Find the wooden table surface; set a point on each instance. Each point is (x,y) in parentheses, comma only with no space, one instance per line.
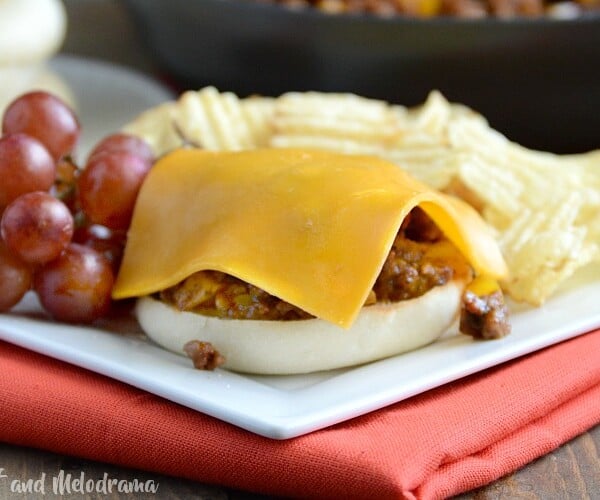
(570,472)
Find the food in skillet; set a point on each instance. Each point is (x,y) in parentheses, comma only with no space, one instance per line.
(454,8)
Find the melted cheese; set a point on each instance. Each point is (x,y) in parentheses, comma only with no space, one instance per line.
(310,227)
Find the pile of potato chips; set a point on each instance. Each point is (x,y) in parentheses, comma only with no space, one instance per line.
(544,208)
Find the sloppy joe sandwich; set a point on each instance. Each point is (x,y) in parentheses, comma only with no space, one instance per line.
(288,261)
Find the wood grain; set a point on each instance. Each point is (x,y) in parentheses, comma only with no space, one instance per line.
(572,472)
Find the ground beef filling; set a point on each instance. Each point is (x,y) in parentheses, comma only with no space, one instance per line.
(484,317)
(420,259)
(214,293)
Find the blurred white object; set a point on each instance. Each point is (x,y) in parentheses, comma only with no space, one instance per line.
(30,30)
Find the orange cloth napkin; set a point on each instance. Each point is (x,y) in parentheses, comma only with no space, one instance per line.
(440,443)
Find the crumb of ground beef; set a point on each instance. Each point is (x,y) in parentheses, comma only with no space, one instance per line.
(203,354)
(484,317)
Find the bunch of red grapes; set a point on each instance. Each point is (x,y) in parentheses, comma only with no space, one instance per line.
(63,229)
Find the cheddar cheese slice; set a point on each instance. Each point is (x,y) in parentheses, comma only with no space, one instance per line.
(310,227)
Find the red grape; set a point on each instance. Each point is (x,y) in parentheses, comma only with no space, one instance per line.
(15,279)
(108,188)
(109,243)
(25,166)
(45,117)
(37,227)
(125,143)
(76,286)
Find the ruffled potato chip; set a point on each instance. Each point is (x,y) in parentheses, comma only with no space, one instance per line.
(157,127)
(215,121)
(337,122)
